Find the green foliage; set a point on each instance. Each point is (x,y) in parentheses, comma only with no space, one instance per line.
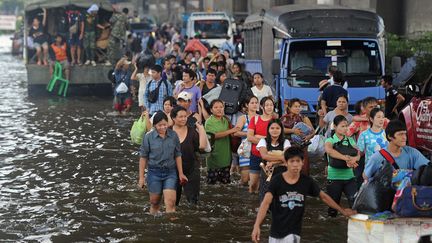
(9,6)
(420,47)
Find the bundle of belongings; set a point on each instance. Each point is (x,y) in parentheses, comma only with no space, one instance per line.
(408,193)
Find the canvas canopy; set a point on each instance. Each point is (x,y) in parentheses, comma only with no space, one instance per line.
(35,4)
(196,45)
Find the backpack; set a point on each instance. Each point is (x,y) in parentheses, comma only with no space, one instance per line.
(230,94)
(154,94)
(423,175)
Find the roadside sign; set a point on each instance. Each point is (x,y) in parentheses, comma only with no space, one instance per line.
(7,22)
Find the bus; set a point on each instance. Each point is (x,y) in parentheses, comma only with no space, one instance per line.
(293,46)
(213,27)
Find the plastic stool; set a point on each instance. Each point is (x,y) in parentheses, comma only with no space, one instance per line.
(58,76)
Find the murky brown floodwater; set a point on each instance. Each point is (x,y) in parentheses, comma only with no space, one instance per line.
(68,173)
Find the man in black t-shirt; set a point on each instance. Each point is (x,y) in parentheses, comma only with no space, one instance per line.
(286,195)
(40,38)
(332,92)
(392,97)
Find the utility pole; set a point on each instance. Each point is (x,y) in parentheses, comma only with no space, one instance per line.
(201,5)
(145,6)
(169,10)
(184,3)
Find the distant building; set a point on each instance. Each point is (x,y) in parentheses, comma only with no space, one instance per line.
(402,17)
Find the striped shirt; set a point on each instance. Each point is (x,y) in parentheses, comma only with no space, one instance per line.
(163,92)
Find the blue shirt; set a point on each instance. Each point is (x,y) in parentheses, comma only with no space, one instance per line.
(370,142)
(331,94)
(227,45)
(410,158)
(122,76)
(163,92)
(160,152)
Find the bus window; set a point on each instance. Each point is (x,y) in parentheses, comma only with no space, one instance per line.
(309,61)
(212,28)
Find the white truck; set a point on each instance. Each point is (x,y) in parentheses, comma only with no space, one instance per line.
(213,27)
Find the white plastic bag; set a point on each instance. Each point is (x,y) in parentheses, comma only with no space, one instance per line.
(210,142)
(122,88)
(244,149)
(316,148)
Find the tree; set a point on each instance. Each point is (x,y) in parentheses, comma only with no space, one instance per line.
(10,6)
(419,47)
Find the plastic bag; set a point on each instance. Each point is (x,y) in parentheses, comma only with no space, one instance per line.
(138,130)
(210,142)
(245,148)
(122,88)
(306,130)
(316,148)
(377,194)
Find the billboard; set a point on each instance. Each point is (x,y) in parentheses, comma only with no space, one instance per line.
(7,22)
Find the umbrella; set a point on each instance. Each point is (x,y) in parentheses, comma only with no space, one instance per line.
(196,45)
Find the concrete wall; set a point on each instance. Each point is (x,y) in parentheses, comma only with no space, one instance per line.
(392,13)
(403,17)
(418,16)
(223,5)
(363,4)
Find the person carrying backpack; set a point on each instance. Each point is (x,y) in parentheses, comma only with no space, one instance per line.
(156,91)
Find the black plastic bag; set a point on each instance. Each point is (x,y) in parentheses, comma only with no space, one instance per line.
(377,194)
(423,175)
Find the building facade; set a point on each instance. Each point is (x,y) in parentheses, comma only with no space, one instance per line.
(402,17)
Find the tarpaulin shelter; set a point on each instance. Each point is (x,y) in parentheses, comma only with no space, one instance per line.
(196,45)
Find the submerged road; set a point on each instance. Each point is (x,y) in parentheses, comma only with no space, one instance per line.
(68,173)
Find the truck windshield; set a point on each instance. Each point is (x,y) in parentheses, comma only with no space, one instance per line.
(359,60)
(211,29)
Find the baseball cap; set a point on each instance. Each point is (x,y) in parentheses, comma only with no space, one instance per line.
(184,96)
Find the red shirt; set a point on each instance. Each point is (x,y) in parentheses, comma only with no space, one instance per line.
(59,51)
(260,127)
(357,127)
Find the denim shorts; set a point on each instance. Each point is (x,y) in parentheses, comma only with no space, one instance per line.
(75,41)
(159,179)
(254,167)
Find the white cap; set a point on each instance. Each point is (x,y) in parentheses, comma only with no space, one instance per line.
(93,8)
(184,96)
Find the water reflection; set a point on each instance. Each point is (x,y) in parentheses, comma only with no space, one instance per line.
(68,173)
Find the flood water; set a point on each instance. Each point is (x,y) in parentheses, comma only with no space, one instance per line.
(68,173)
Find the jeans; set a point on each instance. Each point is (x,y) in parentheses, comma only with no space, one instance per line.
(335,189)
(358,171)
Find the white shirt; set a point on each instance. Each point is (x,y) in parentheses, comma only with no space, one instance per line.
(263,143)
(143,80)
(345,86)
(264,92)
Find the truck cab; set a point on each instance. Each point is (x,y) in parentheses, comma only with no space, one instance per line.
(298,43)
(417,116)
(213,27)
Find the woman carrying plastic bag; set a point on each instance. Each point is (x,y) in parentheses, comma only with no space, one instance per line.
(139,128)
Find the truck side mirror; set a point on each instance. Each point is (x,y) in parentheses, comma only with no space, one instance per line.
(414,89)
(396,64)
(275,66)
